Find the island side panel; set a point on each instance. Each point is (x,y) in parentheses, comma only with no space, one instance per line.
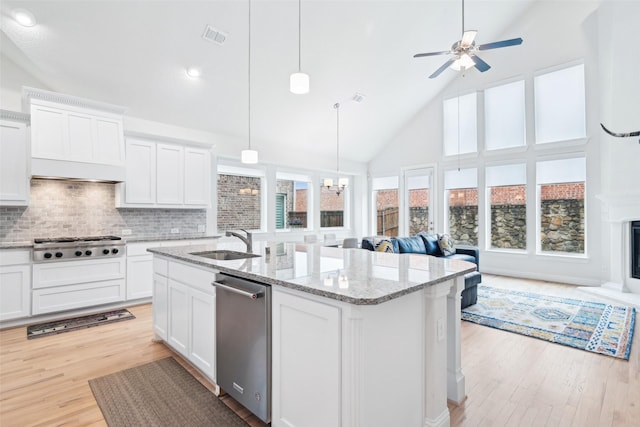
(456,392)
(306,377)
(366,364)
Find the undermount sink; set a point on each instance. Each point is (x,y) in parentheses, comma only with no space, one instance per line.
(224,255)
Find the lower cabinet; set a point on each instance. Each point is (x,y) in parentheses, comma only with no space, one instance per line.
(306,350)
(15,284)
(184,312)
(139,276)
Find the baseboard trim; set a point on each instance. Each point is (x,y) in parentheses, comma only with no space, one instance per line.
(572,280)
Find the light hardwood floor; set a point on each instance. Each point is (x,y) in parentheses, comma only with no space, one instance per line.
(511,380)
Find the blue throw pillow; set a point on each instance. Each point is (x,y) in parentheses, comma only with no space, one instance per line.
(411,245)
(430,243)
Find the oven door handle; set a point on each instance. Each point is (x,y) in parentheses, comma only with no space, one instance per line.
(236,290)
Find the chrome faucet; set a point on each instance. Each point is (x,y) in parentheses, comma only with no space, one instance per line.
(247,240)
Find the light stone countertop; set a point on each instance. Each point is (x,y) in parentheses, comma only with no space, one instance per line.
(355,276)
(16,245)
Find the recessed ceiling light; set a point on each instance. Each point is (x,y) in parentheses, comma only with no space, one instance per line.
(194,72)
(24,17)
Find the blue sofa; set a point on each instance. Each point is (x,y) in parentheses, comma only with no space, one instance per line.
(427,244)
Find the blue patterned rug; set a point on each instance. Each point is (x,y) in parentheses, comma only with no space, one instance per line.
(591,326)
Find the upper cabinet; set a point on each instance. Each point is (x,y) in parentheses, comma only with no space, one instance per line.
(75,138)
(163,174)
(14,159)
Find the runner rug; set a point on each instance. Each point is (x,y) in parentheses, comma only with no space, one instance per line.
(160,393)
(592,326)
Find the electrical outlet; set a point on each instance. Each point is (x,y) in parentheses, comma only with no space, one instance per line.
(175,231)
(201,228)
(126,232)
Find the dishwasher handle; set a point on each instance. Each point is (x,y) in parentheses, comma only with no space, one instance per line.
(252,295)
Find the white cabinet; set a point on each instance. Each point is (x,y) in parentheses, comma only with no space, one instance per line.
(139,276)
(15,283)
(68,285)
(306,346)
(165,175)
(74,133)
(14,159)
(184,305)
(179,317)
(170,174)
(141,172)
(196,176)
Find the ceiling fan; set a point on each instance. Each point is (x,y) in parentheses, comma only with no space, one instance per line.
(463,51)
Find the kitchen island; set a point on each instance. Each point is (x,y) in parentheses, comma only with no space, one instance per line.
(359,338)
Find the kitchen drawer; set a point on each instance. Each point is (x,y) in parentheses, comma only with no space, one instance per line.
(47,275)
(194,277)
(15,256)
(135,249)
(61,298)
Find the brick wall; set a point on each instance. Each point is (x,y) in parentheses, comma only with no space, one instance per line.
(237,210)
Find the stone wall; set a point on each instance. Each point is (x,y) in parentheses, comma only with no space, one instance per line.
(463,224)
(236,210)
(418,220)
(562,225)
(509,226)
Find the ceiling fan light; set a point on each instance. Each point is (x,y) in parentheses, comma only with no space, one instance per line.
(299,83)
(464,62)
(249,157)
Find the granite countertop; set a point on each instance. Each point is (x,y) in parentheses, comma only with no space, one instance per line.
(167,238)
(29,244)
(16,245)
(355,276)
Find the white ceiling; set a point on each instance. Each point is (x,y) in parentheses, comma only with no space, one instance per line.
(134,54)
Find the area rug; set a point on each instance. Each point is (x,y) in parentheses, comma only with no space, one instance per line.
(592,326)
(160,393)
(66,325)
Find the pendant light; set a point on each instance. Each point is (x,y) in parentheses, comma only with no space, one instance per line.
(249,156)
(342,182)
(299,82)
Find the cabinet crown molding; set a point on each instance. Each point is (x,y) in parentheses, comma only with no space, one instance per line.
(30,93)
(15,115)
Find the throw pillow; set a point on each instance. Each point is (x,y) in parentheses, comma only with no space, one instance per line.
(383,245)
(446,244)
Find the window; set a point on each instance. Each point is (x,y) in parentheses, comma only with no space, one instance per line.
(385,197)
(418,183)
(460,125)
(504,113)
(240,201)
(292,201)
(561,191)
(506,195)
(332,207)
(560,112)
(461,196)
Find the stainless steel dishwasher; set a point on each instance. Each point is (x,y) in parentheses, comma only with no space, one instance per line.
(243,342)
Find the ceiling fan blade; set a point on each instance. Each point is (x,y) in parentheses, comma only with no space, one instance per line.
(503,43)
(468,37)
(442,68)
(480,64)
(420,55)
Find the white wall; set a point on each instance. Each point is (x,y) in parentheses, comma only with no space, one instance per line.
(554,33)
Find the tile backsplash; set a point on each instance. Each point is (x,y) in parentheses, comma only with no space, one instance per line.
(66,208)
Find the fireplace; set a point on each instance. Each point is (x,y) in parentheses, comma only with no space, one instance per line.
(635,249)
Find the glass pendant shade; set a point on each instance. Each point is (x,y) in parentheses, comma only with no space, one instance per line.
(299,83)
(249,156)
(464,62)
(328,182)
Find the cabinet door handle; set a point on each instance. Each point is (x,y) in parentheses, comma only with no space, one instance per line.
(236,290)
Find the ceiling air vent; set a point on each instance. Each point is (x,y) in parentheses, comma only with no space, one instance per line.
(214,35)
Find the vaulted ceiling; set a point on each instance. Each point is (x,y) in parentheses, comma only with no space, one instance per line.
(134,54)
